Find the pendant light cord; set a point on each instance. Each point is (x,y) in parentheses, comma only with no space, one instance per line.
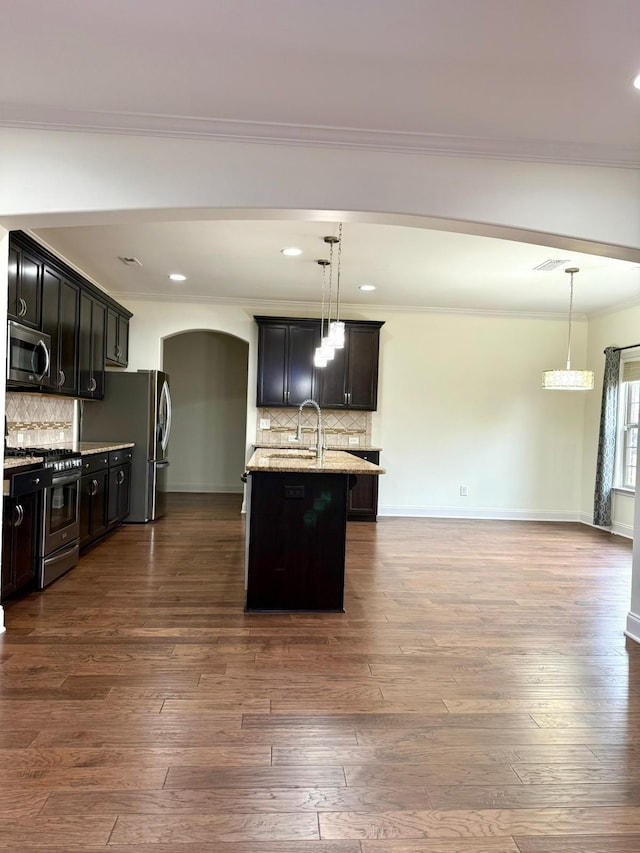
(338,275)
(570,317)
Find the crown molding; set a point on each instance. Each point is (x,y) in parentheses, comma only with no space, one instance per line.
(310,309)
(146,124)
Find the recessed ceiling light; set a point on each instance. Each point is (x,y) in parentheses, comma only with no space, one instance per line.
(177,276)
(636,82)
(291,251)
(367,287)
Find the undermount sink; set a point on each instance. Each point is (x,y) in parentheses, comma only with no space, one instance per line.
(293,454)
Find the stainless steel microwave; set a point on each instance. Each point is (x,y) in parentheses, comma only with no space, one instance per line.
(28,356)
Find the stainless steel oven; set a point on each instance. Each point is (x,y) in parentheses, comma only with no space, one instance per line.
(28,356)
(60,549)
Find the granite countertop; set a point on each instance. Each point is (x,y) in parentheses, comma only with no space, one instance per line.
(21,461)
(88,447)
(296,459)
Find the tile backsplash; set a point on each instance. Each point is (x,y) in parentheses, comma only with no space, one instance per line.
(338,426)
(39,419)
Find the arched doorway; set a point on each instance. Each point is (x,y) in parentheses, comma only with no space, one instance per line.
(208,378)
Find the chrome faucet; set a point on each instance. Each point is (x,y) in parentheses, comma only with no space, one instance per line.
(318,424)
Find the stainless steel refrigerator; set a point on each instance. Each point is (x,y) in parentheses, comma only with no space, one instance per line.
(136,407)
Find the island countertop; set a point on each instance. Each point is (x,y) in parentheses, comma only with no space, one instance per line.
(305,461)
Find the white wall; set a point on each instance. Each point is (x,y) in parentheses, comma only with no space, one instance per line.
(56,178)
(460,403)
(209,392)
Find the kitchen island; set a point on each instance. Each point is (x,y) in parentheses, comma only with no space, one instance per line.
(296,528)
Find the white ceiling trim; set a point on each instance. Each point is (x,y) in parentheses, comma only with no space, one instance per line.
(312,309)
(142,124)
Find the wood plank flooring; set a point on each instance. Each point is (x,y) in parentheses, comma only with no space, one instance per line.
(478,696)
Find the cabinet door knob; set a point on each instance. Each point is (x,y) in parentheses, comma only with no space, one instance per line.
(61,377)
(93,384)
(19,516)
(120,477)
(23,307)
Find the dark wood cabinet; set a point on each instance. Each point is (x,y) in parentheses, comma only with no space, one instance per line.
(87,328)
(363,497)
(94,488)
(21,523)
(18,543)
(91,347)
(119,487)
(350,379)
(286,374)
(24,286)
(296,547)
(117,338)
(60,306)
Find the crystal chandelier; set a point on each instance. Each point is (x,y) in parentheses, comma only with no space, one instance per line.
(566,379)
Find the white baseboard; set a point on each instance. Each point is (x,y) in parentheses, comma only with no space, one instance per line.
(493,513)
(633,627)
(625,530)
(207,488)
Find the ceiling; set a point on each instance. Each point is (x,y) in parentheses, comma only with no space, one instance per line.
(547,80)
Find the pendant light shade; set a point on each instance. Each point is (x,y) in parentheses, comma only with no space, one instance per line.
(566,379)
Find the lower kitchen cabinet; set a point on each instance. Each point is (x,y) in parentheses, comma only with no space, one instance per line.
(93,498)
(363,497)
(21,526)
(106,493)
(119,494)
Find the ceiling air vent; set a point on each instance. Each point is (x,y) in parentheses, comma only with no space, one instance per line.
(130,262)
(552,264)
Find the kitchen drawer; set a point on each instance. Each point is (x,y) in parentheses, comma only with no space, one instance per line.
(119,457)
(95,462)
(30,481)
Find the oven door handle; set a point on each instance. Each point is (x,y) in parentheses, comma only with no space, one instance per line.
(64,481)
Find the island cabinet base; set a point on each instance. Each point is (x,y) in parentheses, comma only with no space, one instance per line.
(296,548)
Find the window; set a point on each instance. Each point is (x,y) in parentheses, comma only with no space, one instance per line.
(628,418)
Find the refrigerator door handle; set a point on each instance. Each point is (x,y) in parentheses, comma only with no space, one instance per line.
(163,464)
(165,402)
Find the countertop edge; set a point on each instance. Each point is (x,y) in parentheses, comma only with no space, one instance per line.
(333,462)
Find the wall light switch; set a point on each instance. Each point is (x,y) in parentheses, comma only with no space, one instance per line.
(354,439)
(293,437)
(20,438)
(265,423)
(61,435)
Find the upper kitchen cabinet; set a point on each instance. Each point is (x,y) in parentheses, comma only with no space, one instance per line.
(286,375)
(91,347)
(350,379)
(60,307)
(117,348)
(87,328)
(24,285)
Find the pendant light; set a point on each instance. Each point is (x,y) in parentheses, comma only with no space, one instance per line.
(323,353)
(336,328)
(566,379)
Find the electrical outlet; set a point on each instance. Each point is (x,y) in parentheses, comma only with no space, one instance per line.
(354,439)
(61,435)
(20,438)
(293,437)
(463,491)
(265,423)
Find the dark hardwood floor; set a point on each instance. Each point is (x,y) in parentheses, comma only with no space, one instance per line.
(478,696)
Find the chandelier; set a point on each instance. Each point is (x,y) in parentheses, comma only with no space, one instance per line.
(566,379)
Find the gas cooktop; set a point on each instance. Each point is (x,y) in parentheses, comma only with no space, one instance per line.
(58,458)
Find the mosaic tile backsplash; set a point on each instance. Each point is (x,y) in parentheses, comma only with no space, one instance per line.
(41,420)
(338,426)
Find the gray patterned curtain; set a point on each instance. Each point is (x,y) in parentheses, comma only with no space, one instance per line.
(607,439)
